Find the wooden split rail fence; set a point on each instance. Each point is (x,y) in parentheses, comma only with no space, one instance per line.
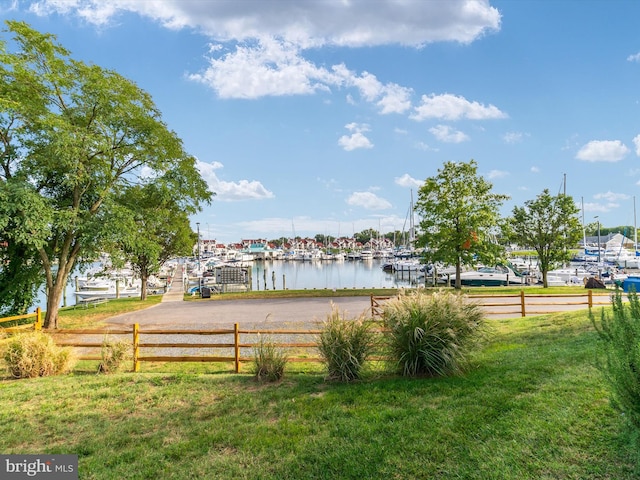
(35,324)
(519,304)
(159,345)
(237,345)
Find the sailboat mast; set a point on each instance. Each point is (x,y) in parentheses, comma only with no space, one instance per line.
(412,237)
(635,226)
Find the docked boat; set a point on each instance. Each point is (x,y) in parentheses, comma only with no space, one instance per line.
(500,275)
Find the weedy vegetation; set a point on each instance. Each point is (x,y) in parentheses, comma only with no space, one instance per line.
(432,334)
(35,354)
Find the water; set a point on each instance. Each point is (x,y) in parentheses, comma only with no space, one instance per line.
(330,275)
(295,275)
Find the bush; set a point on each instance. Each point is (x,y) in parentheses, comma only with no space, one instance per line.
(620,343)
(113,354)
(345,345)
(35,354)
(269,361)
(431,334)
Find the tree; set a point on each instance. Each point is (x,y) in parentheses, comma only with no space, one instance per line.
(365,236)
(548,224)
(159,227)
(458,217)
(74,137)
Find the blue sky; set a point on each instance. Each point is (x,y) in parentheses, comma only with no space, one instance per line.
(324,116)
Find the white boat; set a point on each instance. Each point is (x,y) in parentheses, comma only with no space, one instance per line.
(571,275)
(499,275)
(124,291)
(366,254)
(555,281)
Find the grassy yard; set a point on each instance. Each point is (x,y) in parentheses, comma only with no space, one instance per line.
(532,406)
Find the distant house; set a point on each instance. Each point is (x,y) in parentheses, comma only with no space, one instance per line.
(610,241)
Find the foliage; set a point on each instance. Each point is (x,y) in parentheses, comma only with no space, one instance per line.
(458,217)
(620,343)
(113,354)
(35,354)
(158,226)
(345,344)
(432,334)
(548,224)
(269,361)
(73,137)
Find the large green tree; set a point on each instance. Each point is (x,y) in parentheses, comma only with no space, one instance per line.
(74,137)
(550,225)
(459,217)
(159,227)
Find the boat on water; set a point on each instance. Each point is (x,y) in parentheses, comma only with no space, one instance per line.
(500,275)
(110,293)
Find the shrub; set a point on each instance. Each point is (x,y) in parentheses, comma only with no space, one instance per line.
(269,361)
(345,345)
(113,355)
(431,334)
(620,347)
(35,354)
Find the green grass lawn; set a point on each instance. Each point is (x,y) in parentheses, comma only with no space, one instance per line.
(531,406)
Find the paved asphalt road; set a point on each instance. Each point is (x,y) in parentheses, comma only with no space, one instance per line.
(224,313)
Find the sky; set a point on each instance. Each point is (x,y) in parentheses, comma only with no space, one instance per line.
(325,116)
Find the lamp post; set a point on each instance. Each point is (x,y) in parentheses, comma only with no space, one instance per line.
(198,254)
(598,219)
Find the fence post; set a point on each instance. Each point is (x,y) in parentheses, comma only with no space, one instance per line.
(590,298)
(38,325)
(524,313)
(136,347)
(236,343)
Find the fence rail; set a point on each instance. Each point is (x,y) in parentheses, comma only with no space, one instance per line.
(36,324)
(158,345)
(525,304)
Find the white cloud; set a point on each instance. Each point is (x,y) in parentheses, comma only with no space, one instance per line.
(260,51)
(267,68)
(454,107)
(395,99)
(535,170)
(368,200)
(611,197)
(231,191)
(446,134)
(424,147)
(596,207)
(357,139)
(603,151)
(634,58)
(493,174)
(344,23)
(636,143)
(513,137)
(407,180)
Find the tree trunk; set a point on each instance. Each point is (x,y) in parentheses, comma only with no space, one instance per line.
(143,285)
(54,295)
(458,284)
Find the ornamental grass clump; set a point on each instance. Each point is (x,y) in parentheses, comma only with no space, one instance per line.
(431,334)
(114,353)
(620,353)
(35,354)
(269,361)
(345,344)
